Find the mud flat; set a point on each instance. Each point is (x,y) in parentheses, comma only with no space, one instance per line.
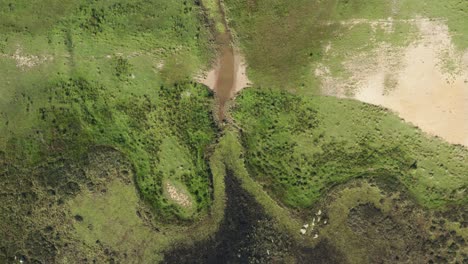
(235,240)
(426,83)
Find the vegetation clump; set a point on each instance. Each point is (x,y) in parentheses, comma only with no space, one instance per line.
(122,68)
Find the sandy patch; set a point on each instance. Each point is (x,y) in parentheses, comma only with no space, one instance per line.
(227,77)
(160,65)
(177,196)
(209,78)
(426,83)
(241,80)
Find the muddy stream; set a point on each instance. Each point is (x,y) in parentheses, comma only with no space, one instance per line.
(246,234)
(225,82)
(228,75)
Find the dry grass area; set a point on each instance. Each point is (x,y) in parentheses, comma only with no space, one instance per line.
(426,82)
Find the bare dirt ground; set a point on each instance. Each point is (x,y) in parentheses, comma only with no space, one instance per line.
(426,83)
(240,81)
(24,61)
(177,196)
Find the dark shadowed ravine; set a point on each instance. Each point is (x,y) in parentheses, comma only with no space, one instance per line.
(248,235)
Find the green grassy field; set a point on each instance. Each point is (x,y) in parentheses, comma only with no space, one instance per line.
(279,39)
(364,182)
(76,75)
(115,76)
(284,40)
(299,148)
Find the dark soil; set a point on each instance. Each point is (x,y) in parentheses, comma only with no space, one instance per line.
(248,235)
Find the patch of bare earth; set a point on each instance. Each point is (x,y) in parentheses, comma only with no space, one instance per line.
(177,196)
(426,83)
(24,61)
(241,80)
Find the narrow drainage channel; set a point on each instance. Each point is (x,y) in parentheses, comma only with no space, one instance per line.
(225,77)
(224,86)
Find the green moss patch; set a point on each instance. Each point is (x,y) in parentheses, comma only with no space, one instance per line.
(110,219)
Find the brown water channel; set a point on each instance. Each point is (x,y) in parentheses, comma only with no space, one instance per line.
(228,76)
(224,87)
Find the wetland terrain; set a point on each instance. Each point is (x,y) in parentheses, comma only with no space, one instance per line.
(233,131)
